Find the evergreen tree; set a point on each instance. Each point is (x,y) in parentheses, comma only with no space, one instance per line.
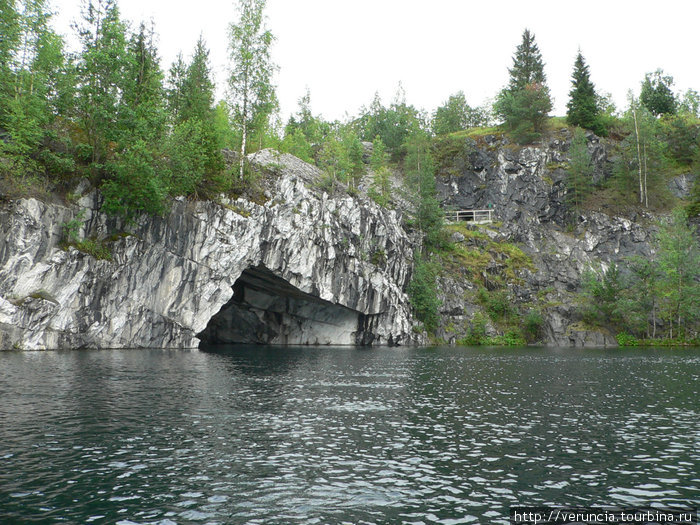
(582,107)
(101,74)
(578,181)
(528,67)
(656,94)
(9,43)
(175,89)
(251,90)
(197,97)
(525,103)
(35,86)
(142,105)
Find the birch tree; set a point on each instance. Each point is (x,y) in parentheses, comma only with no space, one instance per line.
(250,82)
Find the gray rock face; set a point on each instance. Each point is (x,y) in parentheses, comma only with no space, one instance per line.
(682,185)
(170,276)
(525,187)
(515,181)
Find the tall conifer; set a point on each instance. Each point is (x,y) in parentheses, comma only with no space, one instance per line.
(583,103)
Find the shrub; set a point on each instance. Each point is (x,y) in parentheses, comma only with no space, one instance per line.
(422,292)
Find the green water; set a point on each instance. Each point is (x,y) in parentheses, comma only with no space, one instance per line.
(333,435)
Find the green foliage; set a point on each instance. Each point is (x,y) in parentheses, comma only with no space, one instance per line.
(196,163)
(664,290)
(380,190)
(252,95)
(641,159)
(422,292)
(419,170)
(681,134)
(142,109)
(71,228)
(601,297)
(579,181)
(136,183)
(679,262)
(97,249)
(101,75)
(689,104)
(378,159)
(693,208)
(532,326)
(476,334)
(197,90)
(303,121)
(582,107)
(625,339)
(525,103)
(393,124)
(456,115)
(524,112)
(498,304)
(657,95)
(296,143)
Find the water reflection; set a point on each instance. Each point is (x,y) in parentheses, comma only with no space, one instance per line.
(318,435)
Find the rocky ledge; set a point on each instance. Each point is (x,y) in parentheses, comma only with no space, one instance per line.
(304,268)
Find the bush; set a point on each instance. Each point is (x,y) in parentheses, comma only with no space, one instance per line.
(477,332)
(196,163)
(624,339)
(422,292)
(136,184)
(532,326)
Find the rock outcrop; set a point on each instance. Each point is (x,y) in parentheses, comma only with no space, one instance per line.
(525,188)
(344,262)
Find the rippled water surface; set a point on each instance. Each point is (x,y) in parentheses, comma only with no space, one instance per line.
(332,435)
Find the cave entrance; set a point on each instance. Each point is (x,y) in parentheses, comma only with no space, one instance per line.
(266,309)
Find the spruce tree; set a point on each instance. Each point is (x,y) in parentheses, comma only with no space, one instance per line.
(198,86)
(525,103)
(578,181)
(582,107)
(528,67)
(101,75)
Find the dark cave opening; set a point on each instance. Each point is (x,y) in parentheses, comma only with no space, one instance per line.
(266,309)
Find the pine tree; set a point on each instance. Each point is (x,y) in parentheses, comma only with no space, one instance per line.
(251,90)
(582,107)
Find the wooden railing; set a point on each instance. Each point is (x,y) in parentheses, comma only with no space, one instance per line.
(480,216)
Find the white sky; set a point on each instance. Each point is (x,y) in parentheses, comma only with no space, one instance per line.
(345,51)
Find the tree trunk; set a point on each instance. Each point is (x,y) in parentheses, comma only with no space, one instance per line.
(244,131)
(639,156)
(646,192)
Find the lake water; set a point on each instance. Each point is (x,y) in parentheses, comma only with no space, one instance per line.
(332,435)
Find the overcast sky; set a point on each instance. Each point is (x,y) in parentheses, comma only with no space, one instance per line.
(345,51)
